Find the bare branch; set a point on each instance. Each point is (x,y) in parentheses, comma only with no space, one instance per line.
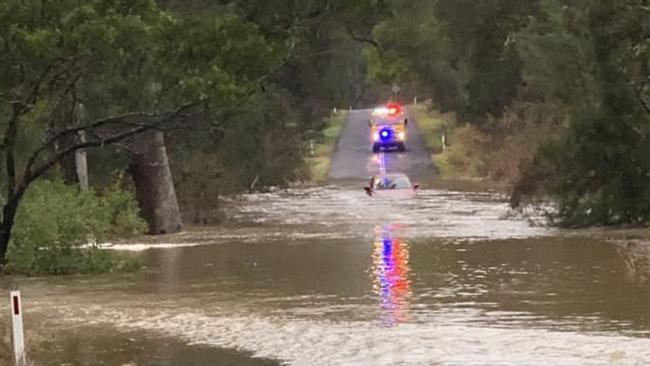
(8,143)
(155,121)
(39,82)
(30,175)
(362,39)
(129,119)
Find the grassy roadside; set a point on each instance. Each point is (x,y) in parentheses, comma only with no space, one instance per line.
(319,162)
(453,161)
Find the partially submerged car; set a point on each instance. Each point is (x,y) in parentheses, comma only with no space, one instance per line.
(396,184)
(388,128)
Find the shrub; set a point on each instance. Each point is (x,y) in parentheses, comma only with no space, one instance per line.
(58,229)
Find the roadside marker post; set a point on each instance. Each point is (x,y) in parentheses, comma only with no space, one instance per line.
(17,335)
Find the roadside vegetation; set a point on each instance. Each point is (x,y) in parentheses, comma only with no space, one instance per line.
(552,100)
(475,154)
(222,96)
(322,147)
(451,159)
(59,230)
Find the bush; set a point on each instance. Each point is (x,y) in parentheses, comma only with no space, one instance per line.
(58,229)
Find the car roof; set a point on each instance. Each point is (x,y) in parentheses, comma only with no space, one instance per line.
(391,175)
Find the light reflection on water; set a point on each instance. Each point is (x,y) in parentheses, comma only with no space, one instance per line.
(391,273)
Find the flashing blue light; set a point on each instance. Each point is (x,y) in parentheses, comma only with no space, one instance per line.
(385,134)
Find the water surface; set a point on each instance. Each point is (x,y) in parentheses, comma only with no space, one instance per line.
(328,276)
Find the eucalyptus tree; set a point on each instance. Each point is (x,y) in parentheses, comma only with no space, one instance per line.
(134,67)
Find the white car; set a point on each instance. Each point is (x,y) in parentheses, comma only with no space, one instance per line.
(396,184)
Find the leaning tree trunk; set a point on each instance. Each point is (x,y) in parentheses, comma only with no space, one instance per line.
(154,186)
(6,225)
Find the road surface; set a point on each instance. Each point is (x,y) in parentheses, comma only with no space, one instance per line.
(353,157)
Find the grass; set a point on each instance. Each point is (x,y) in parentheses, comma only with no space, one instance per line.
(431,124)
(319,162)
(455,162)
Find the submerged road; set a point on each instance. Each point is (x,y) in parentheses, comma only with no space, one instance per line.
(326,276)
(353,157)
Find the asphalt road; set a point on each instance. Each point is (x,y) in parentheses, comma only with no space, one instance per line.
(353,157)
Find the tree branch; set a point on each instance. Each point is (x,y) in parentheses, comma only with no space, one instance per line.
(159,121)
(8,143)
(128,119)
(30,175)
(362,39)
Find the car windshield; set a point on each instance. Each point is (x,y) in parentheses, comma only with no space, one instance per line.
(392,182)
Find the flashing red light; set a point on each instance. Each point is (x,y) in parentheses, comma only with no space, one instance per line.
(394,108)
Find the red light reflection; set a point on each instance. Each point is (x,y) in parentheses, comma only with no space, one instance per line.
(391,274)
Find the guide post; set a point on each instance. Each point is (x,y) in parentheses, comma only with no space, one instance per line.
(17,335)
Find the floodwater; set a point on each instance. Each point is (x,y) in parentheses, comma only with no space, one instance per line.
(329,276)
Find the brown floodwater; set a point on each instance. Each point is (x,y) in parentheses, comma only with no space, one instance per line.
(328,276)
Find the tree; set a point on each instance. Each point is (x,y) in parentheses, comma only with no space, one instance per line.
(454,51)
(603,173)
(133,66)
(589,60)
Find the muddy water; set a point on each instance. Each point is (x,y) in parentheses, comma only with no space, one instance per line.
(327,276)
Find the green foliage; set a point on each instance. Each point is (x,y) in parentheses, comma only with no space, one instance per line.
(58,230)
(558,91)
(262,143)
(602,174)
(558,55)
(261,138)
(121,57)
(134,58)
(453,52)
(119,209)
(417,55)
(199,184)
(597,168)
(324,145)
(432,125)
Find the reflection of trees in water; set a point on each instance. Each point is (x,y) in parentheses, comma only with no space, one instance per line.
(636,260)
(391,274)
